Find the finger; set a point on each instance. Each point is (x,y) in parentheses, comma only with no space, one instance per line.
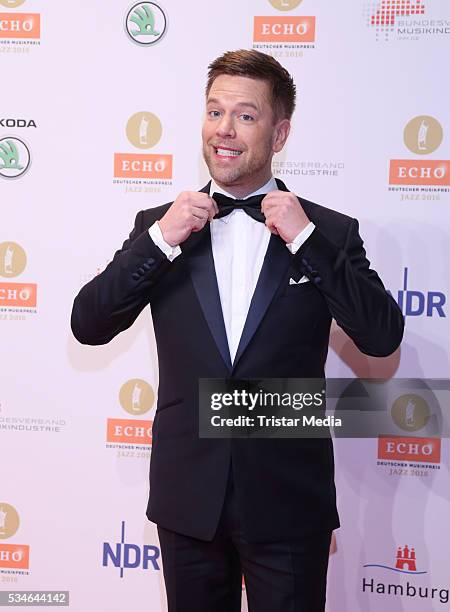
(200,213)
(201,200)
(270,224)
(270,200)
(215,206)
(198,224)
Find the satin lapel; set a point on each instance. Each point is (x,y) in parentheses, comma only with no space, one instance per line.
(199,258)
(276,262)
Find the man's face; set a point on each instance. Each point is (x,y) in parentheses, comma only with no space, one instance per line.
(240,133)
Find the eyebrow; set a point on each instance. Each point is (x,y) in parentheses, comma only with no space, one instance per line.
(241,104)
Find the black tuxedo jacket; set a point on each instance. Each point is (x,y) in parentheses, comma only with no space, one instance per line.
(285,487)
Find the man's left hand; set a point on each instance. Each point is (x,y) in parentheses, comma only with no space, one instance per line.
(284,215)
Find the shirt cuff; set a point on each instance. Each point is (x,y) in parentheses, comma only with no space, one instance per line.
(156,235)
(301,238)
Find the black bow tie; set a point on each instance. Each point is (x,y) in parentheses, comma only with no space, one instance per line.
(252,206)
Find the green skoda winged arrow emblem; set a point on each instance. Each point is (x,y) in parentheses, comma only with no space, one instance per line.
(9,155)
(150,21)
(145,21)
(15,157)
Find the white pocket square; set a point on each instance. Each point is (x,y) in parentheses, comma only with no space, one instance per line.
(304,279)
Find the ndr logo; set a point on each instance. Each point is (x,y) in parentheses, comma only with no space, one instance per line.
(416,303)
(130,556)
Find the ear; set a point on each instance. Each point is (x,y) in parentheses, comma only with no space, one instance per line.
(280,134)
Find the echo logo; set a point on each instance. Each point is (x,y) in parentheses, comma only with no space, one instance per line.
(13,261)
(419,172)
(284,29)
(129,431)
(144,131)
(142,165)
(417,303)
(18,295)
(422,135)
(12,556)
(130,556)
(427,450)
(20,25)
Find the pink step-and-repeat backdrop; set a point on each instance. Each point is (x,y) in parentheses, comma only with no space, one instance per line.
(101,107)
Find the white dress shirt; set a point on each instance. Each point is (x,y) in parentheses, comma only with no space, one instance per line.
(239,244)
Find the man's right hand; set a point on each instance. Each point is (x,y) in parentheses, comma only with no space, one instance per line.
(189,213)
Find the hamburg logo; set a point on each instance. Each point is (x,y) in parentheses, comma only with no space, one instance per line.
(15,158)
(145,23)
(411,586)
(405,562)
(130,556)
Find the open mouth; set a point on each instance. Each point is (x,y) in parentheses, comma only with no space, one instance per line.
(225,152)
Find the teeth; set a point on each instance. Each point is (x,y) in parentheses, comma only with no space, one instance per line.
(228,152)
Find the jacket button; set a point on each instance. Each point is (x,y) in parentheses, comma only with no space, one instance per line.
(135,276)
(141,271)
(317,280)
(150,261)
(147,266)
(305,262)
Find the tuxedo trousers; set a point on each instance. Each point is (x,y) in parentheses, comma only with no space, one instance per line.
(200,576)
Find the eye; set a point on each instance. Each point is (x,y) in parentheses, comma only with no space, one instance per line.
(246,117)
(214,114)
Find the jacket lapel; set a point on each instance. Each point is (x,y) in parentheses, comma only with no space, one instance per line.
(276,262)
(199,258)
(275,265)
(198,252)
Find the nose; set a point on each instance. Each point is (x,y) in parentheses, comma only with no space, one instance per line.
(225,127)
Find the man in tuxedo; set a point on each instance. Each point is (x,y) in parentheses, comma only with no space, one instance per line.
(243,279)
